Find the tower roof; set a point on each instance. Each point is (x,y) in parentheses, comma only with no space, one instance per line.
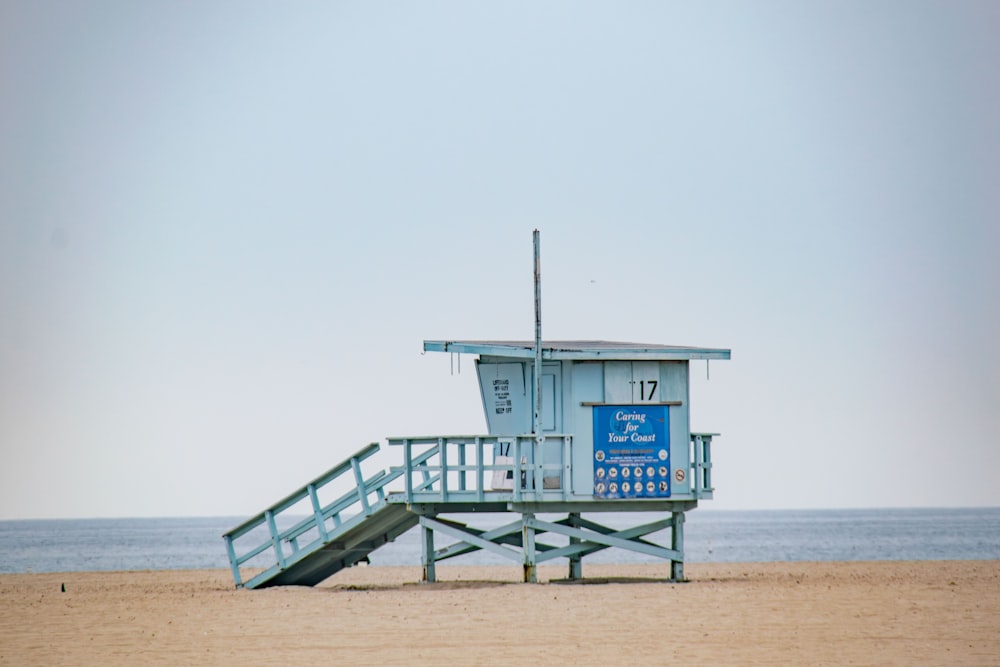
(577,349)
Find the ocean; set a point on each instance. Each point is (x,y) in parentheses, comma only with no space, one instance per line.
(58,545)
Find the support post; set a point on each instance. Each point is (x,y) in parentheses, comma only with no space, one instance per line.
(427,553)
(528,541)
(677,544)
(576,560)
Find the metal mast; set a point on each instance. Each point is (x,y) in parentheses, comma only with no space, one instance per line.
(536,423)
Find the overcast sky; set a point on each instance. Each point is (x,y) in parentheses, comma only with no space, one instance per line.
(227,227)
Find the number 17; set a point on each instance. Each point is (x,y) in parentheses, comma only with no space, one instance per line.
(652,389)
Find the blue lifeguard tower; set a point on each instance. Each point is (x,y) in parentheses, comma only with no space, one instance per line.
(574,427)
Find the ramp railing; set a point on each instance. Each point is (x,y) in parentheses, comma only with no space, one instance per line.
(476,468)
(278,536)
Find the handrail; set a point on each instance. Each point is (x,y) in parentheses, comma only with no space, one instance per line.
(320,514)
(331,510)
(303,492)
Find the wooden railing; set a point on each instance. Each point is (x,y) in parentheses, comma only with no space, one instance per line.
(477,468)
(274,544)
(436,469)
(701,465)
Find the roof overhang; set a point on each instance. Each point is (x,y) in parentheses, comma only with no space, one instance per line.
(576,350)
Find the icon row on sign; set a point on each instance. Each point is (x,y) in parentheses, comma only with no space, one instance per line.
(638,472)
(602,488)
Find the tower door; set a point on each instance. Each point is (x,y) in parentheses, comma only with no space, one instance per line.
(551,416)
(631,382)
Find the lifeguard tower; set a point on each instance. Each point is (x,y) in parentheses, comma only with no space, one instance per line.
(574,427)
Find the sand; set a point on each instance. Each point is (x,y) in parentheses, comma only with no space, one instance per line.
(880,613)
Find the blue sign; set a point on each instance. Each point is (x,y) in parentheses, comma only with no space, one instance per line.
(631,451)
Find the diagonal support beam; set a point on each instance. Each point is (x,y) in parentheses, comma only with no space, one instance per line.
(633,533)
(474,540)
(587,548)
(507,534)
(613,540)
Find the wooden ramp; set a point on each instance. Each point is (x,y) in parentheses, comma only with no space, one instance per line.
(304,538)
(345,548)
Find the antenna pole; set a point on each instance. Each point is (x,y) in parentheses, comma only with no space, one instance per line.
(536,425)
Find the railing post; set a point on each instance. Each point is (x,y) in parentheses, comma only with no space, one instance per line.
(461,466)
(317,512)
(275,538)
(233,562)
(517,470)
(362,491)
(537,463)
(697,472)
(707,462)
(567,466)
(408,469)
(479,470)
(443,455)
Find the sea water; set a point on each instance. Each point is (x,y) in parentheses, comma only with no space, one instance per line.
(709,536)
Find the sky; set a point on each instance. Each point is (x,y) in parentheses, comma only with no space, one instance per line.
(227,227)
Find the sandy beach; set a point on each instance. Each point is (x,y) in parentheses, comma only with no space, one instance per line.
(906,613)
